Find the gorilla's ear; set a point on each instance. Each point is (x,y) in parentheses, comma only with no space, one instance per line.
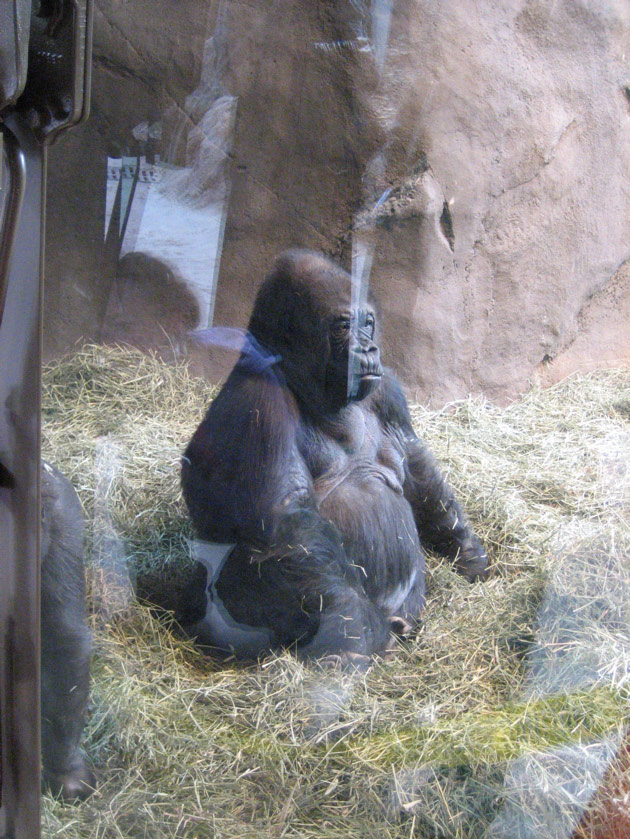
(6,478)
(269,315)
(273,320)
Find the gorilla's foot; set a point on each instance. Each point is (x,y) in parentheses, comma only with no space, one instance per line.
(400,627)
(346,661)
(75,784)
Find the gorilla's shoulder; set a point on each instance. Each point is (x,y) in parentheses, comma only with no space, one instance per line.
(389,403)
(250,398)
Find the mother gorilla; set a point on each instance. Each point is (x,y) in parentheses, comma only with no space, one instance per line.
(310,493)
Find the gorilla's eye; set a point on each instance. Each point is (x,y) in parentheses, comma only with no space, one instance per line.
(342,326)
(367,329)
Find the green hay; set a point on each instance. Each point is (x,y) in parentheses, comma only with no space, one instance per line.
(534,660)
(497,736)
(117,421)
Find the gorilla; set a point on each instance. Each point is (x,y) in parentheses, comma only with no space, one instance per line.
(311,496)
(66,643)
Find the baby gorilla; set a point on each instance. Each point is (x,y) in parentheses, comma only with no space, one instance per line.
(310,493)
(66,640)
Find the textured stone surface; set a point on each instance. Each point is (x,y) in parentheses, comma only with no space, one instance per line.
(527,137)
(495,135)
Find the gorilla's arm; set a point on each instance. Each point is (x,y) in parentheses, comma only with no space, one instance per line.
(440,518)
(246,483)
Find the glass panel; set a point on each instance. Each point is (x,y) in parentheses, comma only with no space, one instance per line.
(266,657)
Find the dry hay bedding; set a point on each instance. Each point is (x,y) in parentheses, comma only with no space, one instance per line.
(440,741)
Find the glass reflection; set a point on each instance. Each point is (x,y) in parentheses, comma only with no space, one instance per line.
(448,186)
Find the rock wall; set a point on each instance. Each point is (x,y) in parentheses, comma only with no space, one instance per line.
(476,153)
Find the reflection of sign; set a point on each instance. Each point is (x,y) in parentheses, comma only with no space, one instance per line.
(123,176)
(147,172)
(152,217)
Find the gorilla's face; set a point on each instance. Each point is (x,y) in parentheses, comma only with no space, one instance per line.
(305,312)
(354,368)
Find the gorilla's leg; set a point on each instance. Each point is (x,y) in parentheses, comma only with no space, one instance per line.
(66,640)
(66,653)
(411,609)
(405,622)
(302,593)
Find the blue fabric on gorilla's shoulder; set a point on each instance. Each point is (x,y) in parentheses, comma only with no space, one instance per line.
(255,358)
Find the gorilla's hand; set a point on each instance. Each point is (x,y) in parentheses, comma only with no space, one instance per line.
(472,560)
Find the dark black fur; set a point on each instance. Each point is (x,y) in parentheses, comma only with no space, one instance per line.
(66,640)
(309,465)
